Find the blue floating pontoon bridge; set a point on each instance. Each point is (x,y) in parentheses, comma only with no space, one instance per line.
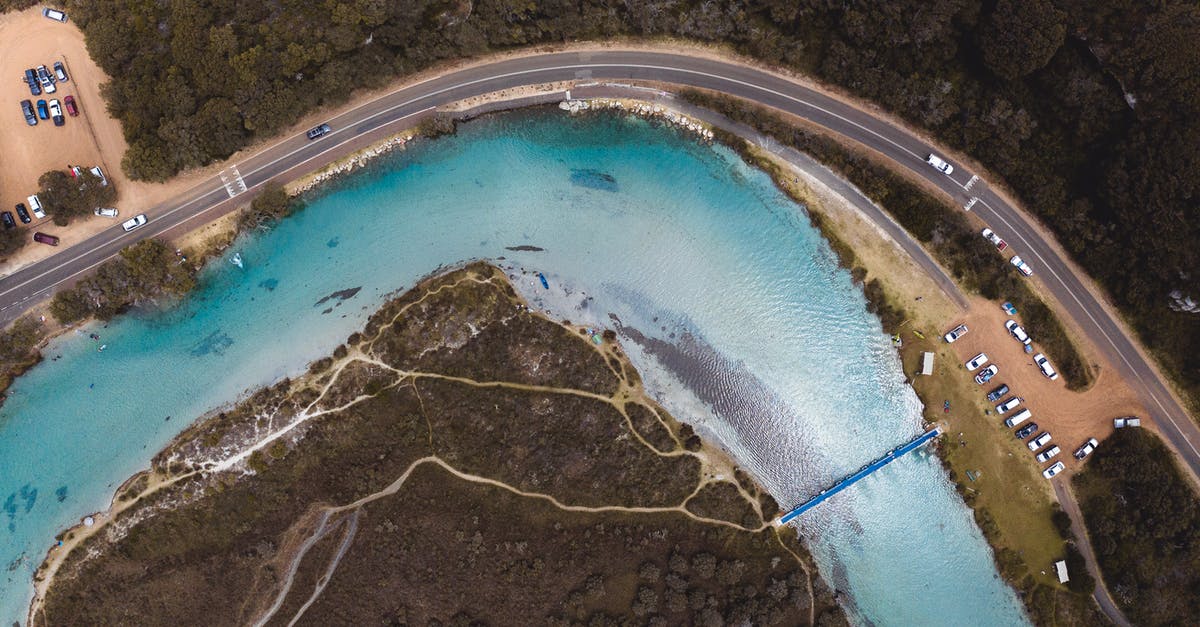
(866,471)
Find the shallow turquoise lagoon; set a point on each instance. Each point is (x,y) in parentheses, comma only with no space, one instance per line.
(727,299)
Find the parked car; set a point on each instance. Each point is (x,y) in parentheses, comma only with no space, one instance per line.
(56,113)
(1018,418)
(43,110)
(995,394)
(956,333)
(1021,265)
(1045,455)
(8,220)
(977,361)
(43,238)
(106,212)
(1043,364)
(27,109)
(1026,431)
(986,374)
(23,213)
(100,175)
(1018,332)
(36,205)
(1009,309)
(1087,448)
(57,16)
(994,239)
(1039,442)
(1127,421)
(134,222)
(31,79)
(69,103)
(74,171)
(318,131)
(1008,405)
(60,71)
(940,164)
(47,79)
(1053,470)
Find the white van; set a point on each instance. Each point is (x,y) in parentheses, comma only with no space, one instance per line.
(1009,405)
(35,206)
(1017,419)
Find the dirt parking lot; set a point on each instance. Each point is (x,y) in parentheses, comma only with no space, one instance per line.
(27,40)
(1070,417)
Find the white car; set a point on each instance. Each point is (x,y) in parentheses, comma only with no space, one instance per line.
(134,222)
(100,175)
(1087,448)
(1045,455)
(1039,442)
(106,212)
(940,164)
(956,333)
(994,239)
(1017,332)
(1008,405)
(1043,364)
(977,361)
(1127,421)
(1021,265)
(986,374)
(1053,470)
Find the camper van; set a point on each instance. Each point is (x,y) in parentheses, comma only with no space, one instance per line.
(1017,419)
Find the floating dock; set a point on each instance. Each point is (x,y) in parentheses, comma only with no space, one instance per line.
(891,456)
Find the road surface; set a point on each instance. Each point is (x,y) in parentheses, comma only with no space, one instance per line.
(296,155)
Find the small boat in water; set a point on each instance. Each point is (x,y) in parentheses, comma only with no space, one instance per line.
(545,283)
(236,259)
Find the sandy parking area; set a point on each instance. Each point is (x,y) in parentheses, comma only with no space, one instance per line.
(1070,417)
(27,40)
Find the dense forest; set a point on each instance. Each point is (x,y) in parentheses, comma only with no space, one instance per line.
(1087,109)
(1144,521)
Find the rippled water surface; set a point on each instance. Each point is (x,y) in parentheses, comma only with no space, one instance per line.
(728,300)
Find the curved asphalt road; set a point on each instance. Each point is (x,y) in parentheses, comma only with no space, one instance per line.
(31,284)
(296,155)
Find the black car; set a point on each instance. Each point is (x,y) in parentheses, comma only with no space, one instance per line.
(8,220)
(318,131)
(1026,431)
(32,80)
(60,71)
(23,213)
(30,116)
(995,394)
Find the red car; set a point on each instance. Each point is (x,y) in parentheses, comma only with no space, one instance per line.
(69,103)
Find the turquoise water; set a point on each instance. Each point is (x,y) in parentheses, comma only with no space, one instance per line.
(727,299)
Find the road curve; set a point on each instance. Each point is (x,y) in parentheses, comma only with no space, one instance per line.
(296,154)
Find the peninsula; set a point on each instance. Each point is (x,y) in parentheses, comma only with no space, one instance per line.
(460,459)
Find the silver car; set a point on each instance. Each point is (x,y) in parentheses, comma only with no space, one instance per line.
(134,222)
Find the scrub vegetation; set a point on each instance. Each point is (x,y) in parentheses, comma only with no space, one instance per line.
(18,349)
(1090,111)
(145,273)
(460,461)
(65,196)
(1143,516)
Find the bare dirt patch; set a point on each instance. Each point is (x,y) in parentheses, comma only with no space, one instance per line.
(1070,417)
(27,40)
